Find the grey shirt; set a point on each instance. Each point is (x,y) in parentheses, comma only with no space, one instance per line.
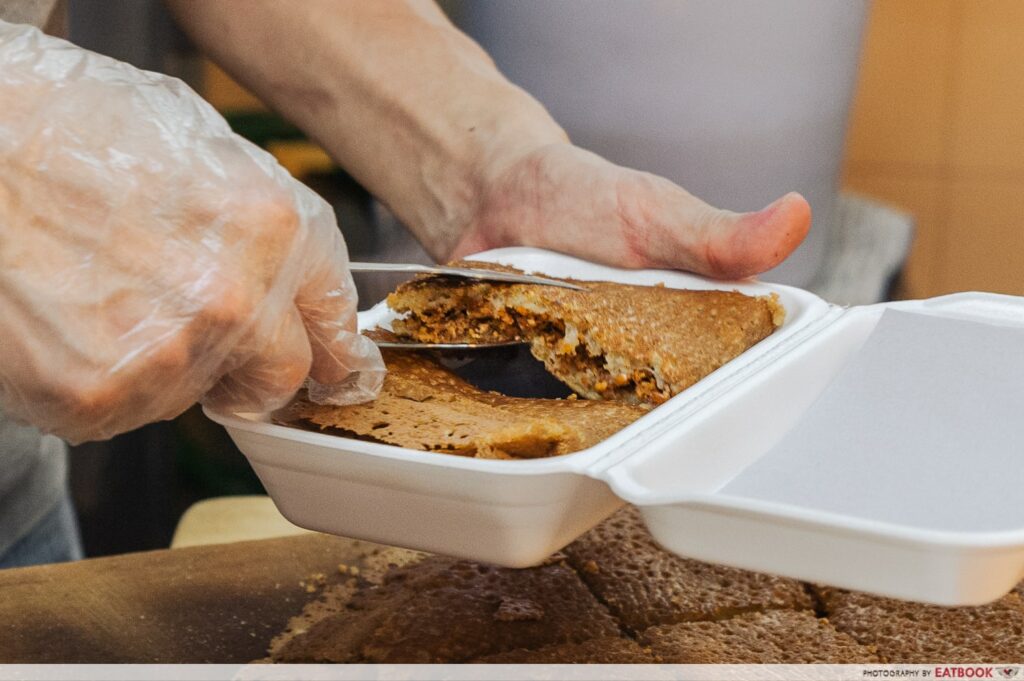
(33,469)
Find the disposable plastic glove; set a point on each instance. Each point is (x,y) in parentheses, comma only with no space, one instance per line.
(150,258)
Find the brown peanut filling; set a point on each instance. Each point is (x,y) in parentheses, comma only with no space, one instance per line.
(564,357)
(594,379)
(449,325)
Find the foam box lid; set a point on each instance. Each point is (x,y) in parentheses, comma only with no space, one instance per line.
(884,451)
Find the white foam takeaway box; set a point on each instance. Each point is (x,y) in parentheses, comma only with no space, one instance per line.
(916,537)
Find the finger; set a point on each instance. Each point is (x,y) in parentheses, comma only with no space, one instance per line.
(327,302)
(270,378)
(738,246)
(346,366)
(566,199)
(678,230)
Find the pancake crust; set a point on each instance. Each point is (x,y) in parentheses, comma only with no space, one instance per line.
(445,610)
(424,406)
(376,564)
(773,637)
(612,341)
(645,586)
(604,650)
(915,633)
(619,599)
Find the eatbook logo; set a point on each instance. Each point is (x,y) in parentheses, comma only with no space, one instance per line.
(1009,672)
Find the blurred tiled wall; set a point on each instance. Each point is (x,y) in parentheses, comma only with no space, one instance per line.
(938,130)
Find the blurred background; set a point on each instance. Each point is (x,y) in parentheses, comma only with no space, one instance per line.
(899,119)
(936,130)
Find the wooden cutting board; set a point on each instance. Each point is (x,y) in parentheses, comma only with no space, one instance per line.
(218,604)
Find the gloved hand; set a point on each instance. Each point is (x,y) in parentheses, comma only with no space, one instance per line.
(150,258)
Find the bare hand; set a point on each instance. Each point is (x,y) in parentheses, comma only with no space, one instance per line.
(567,199)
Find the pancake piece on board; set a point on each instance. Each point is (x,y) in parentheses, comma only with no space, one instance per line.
(643,585)
(770,637)
(367,570)
(638,344)
(446,610)
(619,650)
(915,633)
(423,405)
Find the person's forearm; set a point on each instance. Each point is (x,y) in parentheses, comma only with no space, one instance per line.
(410,106)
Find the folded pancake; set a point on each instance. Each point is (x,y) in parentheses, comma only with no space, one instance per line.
(423,405)
(638,344)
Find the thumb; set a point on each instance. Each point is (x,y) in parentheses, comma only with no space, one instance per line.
(346,366)
(675,229)
(567,199)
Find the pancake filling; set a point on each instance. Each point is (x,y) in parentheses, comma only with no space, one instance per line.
(474,314)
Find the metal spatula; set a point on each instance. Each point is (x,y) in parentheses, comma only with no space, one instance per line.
(462,272)
(417,345)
